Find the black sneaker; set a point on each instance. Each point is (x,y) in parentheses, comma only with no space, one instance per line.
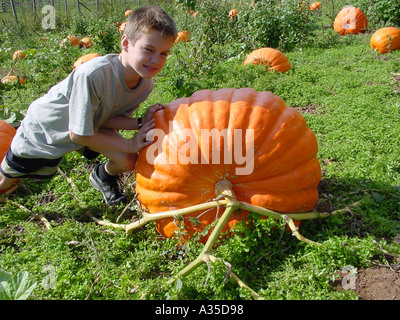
(109,188)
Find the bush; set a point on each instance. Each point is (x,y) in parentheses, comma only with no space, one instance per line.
(282,26)
(257,23)
(381,12)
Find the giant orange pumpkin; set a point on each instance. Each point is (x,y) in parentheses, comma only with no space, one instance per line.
(252,139)
(350,20)
(7,133)
(386,39)
(273,59)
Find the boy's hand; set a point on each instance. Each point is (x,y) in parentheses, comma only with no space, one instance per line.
(139,141)
(151,111)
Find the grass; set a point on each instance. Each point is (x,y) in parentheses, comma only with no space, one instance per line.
(352,104)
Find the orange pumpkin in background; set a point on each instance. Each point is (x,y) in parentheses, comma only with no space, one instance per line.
(273,59)
(19,54)
(232,14)
(350,20)
(86,42)
(12,80)
(183,36)
(7,133)
(386,39)
(199,146)
(85,58)
(122,27)
(70,40)
(315,5)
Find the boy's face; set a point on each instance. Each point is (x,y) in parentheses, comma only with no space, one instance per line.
(148,54)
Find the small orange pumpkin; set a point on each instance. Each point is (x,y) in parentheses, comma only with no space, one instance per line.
(7,133)
(232,14)
(315,5)
(86,42)
(122,27)
(84,59)
(12,79)
(273,59)
(183,36)
(70,40)
(223,124)
(350,20)
(19,54)
(386,39)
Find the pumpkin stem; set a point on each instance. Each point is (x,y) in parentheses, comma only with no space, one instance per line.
(224,187)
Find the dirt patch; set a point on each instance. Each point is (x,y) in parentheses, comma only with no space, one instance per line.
(378,283)
(396,80)
(375,283)
(309,109)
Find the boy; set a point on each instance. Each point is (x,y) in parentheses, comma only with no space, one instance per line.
(85,111)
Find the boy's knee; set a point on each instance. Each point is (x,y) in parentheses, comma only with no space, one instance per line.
(128,162)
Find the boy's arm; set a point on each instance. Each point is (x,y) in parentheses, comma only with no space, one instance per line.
(121,123)
(110,140)
(128,123)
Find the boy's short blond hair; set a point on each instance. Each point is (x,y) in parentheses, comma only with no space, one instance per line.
(142,20)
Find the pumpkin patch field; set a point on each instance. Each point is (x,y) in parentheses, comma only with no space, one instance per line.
(304,207)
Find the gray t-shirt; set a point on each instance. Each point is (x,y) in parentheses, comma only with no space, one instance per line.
(92,93)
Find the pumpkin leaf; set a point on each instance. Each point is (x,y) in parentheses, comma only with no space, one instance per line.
(17,287)
(4,275)
(179,284)
(11,117)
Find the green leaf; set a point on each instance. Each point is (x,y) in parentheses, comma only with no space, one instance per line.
(179,284)
(17,287)
(4,276)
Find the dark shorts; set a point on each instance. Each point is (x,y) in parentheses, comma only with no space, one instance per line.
(88,154)
(13,166)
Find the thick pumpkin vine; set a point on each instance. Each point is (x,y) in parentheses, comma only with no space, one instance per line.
(220,155)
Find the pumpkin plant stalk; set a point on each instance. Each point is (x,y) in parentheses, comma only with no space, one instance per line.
(223,187)
(296,232)
(277,216)
(209,244)
(161,215)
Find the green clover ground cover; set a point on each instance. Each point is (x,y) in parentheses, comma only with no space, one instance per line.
(349,97)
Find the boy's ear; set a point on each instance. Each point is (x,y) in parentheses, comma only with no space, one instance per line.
(124,42)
